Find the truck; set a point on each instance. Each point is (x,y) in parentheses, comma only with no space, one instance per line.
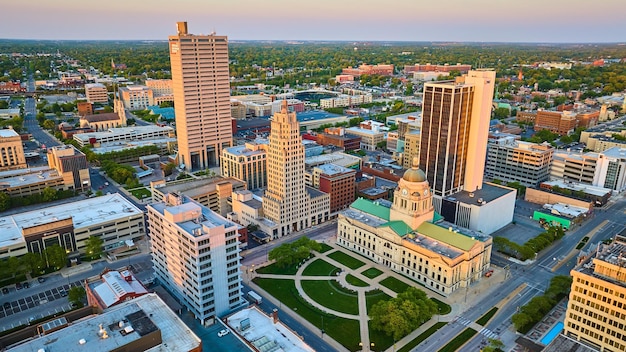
(254,297)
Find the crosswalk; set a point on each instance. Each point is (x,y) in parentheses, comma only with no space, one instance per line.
(484,331)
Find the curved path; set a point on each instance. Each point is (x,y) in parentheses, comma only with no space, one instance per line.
(373,284)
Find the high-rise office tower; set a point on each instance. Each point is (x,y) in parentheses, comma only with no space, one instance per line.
(200,81)
(286,192)
(455,127)
(287,201)
(195,254)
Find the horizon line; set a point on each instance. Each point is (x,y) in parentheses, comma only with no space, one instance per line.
(622,43)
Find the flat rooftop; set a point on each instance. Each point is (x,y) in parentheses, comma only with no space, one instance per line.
(204,218)
(588,189)
(242,150)
(488,194)
(332,169)
(131,144)
(8,133)
(139,317)
(264,334)
(615,152)
(85,213)
(194,188)
(24,179)
(562,343)
(337,158)
(314,193)
(609,253)
(315,115)
(120,131)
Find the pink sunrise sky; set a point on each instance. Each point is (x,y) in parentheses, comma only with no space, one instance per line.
(385,20)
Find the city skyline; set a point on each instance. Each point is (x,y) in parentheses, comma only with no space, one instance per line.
(487,21)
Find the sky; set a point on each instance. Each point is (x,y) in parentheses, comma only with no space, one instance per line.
(550,21)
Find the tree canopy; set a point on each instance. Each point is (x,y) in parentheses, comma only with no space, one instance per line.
(399,316)
(289,254)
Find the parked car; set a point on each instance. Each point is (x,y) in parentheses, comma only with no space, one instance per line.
(5,290)
(41,279)
(18,286)
(7,305)
(222,333)
(63,293)
(26,285)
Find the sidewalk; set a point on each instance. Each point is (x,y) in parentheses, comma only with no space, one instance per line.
(456,301)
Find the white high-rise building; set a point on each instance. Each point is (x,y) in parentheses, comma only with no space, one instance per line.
(195,254)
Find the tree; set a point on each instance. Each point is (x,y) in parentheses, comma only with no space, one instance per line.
(49,124)
(5,201)
(290,254)
(34,262)
(55,256)
(167,170)
(399,316)
(501,113)
(93,247)
(76,296)
(494,346)
(49,194)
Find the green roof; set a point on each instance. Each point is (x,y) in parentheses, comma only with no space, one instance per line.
(445,236)
(371,208)
(399,227)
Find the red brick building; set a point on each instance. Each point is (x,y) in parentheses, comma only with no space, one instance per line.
(556,122)
(339,183)
(84,108)
(337,137)
(113,287)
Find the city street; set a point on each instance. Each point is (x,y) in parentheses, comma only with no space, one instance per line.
(536,276)
(30,120)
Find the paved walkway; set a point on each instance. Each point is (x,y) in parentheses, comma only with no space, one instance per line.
(374,284)
(459,301)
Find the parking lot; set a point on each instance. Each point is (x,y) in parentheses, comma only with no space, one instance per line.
(9,308)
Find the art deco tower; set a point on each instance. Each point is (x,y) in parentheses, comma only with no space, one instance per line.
(285,200)
(200,81)
(455,126)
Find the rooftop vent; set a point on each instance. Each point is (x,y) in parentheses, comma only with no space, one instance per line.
(82,341)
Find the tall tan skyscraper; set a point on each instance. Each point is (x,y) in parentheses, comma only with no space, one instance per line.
(455,126)
(200,81)
(287,202)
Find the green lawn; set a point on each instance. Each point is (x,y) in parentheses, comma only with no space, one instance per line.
(141,193)
(371,273)
(325,248)
(346,260)
(355,281)
(459,340)
(276,270)
(320,268)
(394,284)
(373,297)
(423,336)
(443,307)
(487,316)
(326,294)
(344,331)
